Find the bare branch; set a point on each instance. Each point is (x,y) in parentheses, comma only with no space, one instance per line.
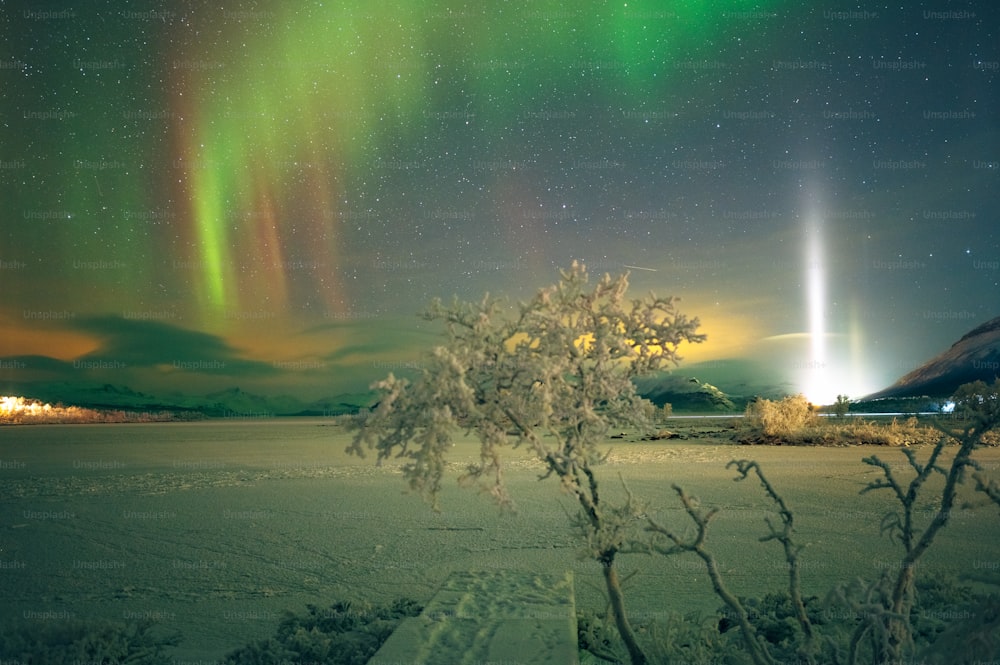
(756,644)
(791,550)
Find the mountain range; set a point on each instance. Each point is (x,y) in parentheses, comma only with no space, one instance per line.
(974,357)
(714,386)
(740,381)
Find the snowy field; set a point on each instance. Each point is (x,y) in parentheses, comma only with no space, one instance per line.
(215,528)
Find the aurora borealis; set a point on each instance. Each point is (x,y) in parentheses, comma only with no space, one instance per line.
(199,196)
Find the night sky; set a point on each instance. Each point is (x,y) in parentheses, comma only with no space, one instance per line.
(203,195)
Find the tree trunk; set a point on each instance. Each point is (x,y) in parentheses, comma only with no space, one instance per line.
(621,620)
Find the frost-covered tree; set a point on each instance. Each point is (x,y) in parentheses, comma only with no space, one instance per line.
(553,375)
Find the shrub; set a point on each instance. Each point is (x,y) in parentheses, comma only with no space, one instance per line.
(865,432)
(792,421)
(343,634)
(668,638)
(780,419)
(73,642)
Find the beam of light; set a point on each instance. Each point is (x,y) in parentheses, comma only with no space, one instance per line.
(829,356)
(816,280)
(814,376)
(858,380)
(835,362)
(864,378)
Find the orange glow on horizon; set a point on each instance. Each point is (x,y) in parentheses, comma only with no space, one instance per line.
(36,341)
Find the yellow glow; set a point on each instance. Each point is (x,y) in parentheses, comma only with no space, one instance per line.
(268,337)
(729,335)
(37,341)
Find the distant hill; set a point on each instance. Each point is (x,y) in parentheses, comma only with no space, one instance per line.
(717,385)
(684,394)
(975,357)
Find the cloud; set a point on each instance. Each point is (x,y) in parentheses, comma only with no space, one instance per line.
(357,342)
(800,336)
(147,344)
(35,363)
(162,357)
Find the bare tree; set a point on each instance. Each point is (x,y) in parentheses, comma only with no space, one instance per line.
(978,411)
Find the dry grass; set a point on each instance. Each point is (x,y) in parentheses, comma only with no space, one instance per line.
(792,421)
(782,418)
(860,432)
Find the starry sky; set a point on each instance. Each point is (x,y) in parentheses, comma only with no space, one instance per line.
(200,195)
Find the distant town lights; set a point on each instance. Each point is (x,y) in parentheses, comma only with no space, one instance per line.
(11,405)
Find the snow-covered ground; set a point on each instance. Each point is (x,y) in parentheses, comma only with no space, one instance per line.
(215,528)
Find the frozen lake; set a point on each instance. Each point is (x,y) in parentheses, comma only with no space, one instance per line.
(215,528)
